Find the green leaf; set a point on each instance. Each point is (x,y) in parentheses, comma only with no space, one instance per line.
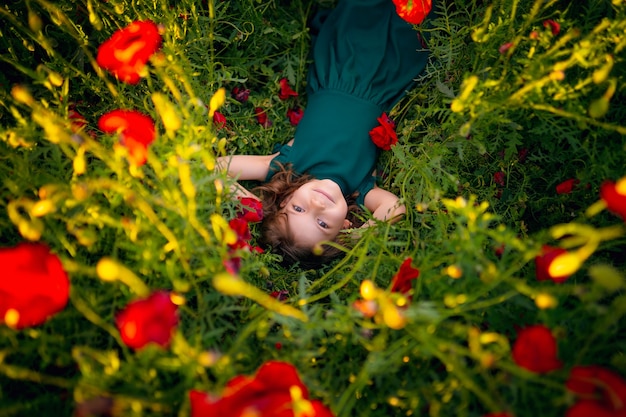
(607,277)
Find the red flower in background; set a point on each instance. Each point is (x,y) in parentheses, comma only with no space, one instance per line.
(543,262)
(77,121)
(535,349)
(554,26)
(502,414)
(413,11)
(127,51)
(219,120)
(614,195)
(274,391)
(522,154)
(285,90)
(384,135)
(500,178)
(34,285)
(136,132)
(251,210)
(295,115)
(602,392)
(240,94)
(402,280)
(148,320)
(240,227)
(261,117)
(505,47)
(567,186)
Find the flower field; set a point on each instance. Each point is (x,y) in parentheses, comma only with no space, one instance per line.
(133,282)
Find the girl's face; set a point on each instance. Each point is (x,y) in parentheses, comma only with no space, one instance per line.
(315,212)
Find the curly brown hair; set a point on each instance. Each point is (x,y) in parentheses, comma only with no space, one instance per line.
(274,231)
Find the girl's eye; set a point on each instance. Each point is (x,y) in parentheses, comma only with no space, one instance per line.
(298,209)
(323,224)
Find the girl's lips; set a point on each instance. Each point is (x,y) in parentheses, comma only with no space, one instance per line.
(325,194)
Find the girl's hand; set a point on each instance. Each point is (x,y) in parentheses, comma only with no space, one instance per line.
(384,206)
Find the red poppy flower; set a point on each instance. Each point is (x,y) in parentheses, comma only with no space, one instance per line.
(240,94)
(602,392)
(614,195)
(232,265)
(281,295)
(274,391)
(261,117)
(285,90)
(33,287)
(251,209)
(77,121)
(148,320)
(128,50)
(240,227)
(500,178)
(295,115)
(413,11)
(219,120)
(368,308)
(136,132)
(554,26)
(543,262)
(522,155)
(535,349)
(587,408)
(567,186)
(402,280)
(384,135)
(505,47)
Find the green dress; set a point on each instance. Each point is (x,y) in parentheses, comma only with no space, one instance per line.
(365,58)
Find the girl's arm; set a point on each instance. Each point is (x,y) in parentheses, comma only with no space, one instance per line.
(245,167)
(384,205)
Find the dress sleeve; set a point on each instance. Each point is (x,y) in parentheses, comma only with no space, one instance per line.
(282,158)
(365,187)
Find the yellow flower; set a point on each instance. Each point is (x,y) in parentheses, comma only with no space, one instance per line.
(545,301)
(218,99)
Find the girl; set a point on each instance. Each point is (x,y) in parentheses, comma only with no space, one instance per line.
(365,57)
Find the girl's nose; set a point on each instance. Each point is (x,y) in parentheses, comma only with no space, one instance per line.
(318,202)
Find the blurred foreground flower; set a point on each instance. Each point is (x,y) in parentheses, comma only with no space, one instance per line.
(535,349)
(148,320)
(602,392)
(128,50)
(136,132)
(388,306)
(544,261)
(285,90)
(614,196)
(384,135)
(34,285)
(274,391)
(413,11)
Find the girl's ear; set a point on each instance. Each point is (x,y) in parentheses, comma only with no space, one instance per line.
(347,224)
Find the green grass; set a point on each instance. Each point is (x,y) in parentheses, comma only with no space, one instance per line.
(537,130)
